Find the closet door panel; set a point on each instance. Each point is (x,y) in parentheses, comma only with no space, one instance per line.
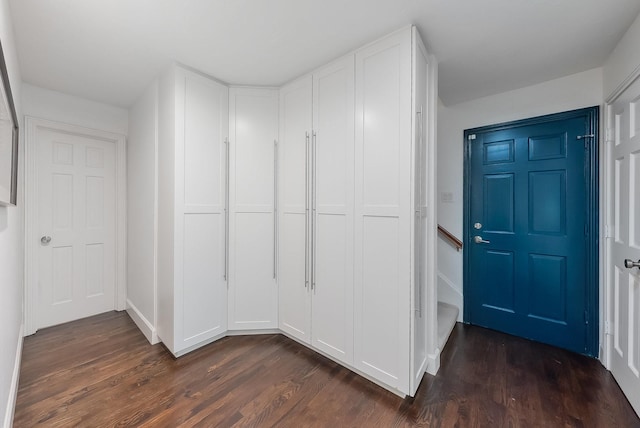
(332,297)
(202,122)
(383,210)
(253,291)
(253,294)
(294,305)
(204,303)
(204,152)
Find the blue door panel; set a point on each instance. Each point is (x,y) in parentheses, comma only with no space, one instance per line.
(528,189)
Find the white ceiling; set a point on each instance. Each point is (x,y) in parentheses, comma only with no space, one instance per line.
(110,50)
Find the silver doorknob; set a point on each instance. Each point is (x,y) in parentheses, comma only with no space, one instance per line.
(630,264)
(45,240)
(479,240)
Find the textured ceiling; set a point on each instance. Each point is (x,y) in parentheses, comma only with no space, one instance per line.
(109,51)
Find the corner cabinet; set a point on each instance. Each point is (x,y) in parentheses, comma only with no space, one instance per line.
(193,113)
(253,291)
(307,210)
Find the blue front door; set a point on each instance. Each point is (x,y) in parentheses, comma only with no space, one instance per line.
(527,237)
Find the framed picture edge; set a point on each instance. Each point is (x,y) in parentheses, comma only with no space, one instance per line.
(4,74)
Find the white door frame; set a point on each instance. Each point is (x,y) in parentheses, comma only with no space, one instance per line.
(32,125)
(606,189)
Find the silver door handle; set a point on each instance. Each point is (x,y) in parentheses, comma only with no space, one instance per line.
(45,240)
(630,264)
(479,240)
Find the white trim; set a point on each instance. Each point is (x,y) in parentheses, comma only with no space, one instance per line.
(31,213)
(433,364)
(623,86)
(143,323)
(13,390)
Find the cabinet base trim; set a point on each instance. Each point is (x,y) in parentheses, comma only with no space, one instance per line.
(253,332)
(392,389)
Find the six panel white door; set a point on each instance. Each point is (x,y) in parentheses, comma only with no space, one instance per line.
(253,292)
(76,209)
(625,210)
(333,145)
(294,305)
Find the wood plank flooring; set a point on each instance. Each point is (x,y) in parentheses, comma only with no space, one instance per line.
(101,372)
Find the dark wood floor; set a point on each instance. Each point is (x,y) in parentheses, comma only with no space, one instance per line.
(101,372)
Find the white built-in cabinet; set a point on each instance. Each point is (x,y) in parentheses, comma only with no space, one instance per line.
(253,127)
(353,217)
(193,114)
(316,220)
(307,210)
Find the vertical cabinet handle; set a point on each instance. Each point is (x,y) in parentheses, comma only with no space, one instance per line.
(313,207)
(275,207)
(419,211)
(306,210)
(226,212)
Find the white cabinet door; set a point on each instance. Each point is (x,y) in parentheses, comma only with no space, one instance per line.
(202,120)
(253,292)
(332,251)
(295,124)
(383,214)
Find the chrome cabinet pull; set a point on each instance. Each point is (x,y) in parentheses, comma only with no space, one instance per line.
(313,207)
(306,210)
(419,211)
(275,207)
(226,212)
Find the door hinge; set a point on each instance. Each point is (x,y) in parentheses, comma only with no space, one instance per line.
(607,328)
(608,135)
(471,137)
(608,231)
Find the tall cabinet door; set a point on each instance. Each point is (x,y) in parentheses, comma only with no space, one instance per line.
(294,225)
(383,214)
(202,120)
(253,292)
(332,209)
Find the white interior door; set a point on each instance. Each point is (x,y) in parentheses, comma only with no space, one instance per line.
(76,213)
(625,245)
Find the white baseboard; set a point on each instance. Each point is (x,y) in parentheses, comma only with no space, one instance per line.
(143,323)
(433,362)
(449,293)
(15,379)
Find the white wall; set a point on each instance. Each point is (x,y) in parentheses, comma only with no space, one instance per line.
(624,59)
(59,107)
(567,93)
(11,248)
(141,211)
